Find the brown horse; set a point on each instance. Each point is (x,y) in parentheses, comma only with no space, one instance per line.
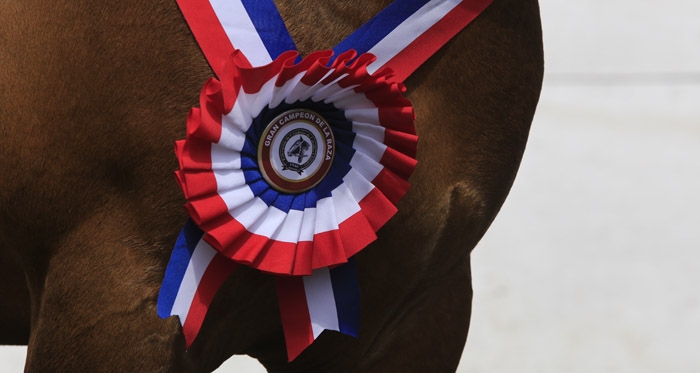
(92,96)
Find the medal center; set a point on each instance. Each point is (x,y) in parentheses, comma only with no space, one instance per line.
(296,150)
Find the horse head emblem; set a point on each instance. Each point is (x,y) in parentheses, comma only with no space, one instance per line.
(299,149)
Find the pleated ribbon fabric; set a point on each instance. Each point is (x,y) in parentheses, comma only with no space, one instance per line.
(291,165)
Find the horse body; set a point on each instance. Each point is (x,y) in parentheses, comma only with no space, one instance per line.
(91,101)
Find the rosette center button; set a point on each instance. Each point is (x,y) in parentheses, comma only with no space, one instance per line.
(296,150)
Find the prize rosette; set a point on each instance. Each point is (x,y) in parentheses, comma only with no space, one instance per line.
(295,165)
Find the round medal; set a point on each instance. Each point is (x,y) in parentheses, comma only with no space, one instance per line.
(296,150)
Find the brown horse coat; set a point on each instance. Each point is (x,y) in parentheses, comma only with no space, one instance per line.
(92,96)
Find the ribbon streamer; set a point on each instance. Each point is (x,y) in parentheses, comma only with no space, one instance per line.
(327,300)
(254,27)
(405,34)
(193,276)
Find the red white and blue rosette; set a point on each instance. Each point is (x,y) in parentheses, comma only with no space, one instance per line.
(294,165)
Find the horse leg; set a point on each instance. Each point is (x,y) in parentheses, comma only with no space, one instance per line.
(97,303)
(14,314)
(476,153)
(426,327)
(428,332)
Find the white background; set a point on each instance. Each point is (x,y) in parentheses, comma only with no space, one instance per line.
(593,264)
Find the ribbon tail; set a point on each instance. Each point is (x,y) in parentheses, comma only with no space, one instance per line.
(294,312)
(192,278)
(329,299)
(346,288)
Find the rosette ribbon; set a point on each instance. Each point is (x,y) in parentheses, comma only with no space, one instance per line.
(292,165)
(290,227)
